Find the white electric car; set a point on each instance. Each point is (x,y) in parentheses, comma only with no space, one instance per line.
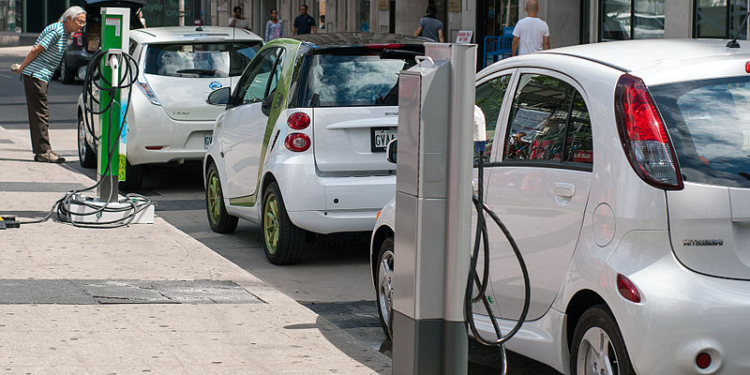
(623,171)
(300,147)
(168,118)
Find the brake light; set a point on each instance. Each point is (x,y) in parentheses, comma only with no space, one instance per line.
(643,135)
(627,289)
(297,142)
(78,38)
(150,94)
(385,46)
(298,121)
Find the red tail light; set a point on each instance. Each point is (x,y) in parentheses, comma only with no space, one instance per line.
(78,38)
(643,135)
(627,289)
(297,142)
(298,121)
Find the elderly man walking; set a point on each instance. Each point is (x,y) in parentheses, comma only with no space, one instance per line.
(37,69)
(531,34)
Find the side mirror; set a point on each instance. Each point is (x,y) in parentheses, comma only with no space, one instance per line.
(265,107)
(392,151)
(219,96)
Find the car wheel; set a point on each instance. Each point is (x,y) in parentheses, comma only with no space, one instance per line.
(598,347)
(284,241)
(86,154)
(384,286)
(218,218)
(66,76)
(133,177)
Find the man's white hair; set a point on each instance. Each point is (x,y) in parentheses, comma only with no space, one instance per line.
(71,12)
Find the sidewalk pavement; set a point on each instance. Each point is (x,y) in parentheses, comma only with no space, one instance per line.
(17,51)
(146,298)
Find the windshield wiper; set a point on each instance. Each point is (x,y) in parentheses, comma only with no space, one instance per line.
(209,72)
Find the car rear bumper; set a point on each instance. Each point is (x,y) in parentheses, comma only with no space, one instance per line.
(684,314)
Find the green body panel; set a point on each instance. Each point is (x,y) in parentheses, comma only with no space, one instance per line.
(280,102)
(111,119)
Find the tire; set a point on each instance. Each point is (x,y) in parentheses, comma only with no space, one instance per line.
(218,218)
(66,75)
(384,286)
(86,154)
(133,177)
(284,242)
(598,347)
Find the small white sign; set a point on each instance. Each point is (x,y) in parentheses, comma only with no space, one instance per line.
(114,22)
(464,37)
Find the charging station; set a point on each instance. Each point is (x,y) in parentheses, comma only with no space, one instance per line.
(433,207)
(110,207)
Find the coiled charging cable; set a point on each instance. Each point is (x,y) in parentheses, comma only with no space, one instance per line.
(481,240)
(136,203)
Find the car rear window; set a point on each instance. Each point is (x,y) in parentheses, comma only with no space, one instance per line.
(709,124)
(348,80)
(200,60)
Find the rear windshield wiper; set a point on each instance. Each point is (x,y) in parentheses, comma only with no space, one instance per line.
(208,72)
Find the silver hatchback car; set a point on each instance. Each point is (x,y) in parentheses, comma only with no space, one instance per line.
(623,171)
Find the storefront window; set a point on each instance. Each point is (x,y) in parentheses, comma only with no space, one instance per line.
(720,18)
(634,19)
(167,13)
(8,15)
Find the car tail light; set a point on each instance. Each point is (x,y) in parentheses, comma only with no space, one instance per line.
(150,94)
(627,289)
(703,361)
(643,135)
(78,38)
(297,142)
(298,121)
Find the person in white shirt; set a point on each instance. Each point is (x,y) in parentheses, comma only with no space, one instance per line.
(237,20)
(531,34)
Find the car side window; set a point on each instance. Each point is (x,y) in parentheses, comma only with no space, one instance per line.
(489,97)
(252,86)
(549,122)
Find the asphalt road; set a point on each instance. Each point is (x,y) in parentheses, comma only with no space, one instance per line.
(332,281)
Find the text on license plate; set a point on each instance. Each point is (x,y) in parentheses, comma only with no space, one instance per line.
(380,137)
(207,140)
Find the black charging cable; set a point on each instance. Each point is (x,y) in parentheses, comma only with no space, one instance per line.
(481,240)
(136,203)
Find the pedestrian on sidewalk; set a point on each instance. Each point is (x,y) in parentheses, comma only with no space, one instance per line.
(274,27)
(531,34)
(237,20)
(304,24)
(430,27)
(37,69)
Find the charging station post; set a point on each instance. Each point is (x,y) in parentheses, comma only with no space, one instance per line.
(433,207)
(114,39)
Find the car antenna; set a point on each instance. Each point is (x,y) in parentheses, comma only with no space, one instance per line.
(199,28)
(733,43)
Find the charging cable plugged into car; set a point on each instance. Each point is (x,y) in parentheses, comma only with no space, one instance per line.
(434,275)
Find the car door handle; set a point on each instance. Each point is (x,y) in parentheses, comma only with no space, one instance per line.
(564,189)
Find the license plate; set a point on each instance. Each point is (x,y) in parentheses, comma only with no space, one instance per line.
(207,140)
(380,137)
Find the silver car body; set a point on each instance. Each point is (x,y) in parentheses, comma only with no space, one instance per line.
(686,250)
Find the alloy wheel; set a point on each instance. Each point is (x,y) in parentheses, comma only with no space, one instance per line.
(596,355)
(271,222)
(385,287)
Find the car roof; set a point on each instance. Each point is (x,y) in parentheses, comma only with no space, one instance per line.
(638,55)
(191,34)
(337,40)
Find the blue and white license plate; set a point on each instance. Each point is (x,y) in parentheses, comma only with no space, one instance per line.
(380,137)
(207,140)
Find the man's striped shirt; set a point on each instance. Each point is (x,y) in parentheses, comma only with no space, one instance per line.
(54,39)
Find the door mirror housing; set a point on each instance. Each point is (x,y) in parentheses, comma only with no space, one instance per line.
(219,96)
(392,151)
